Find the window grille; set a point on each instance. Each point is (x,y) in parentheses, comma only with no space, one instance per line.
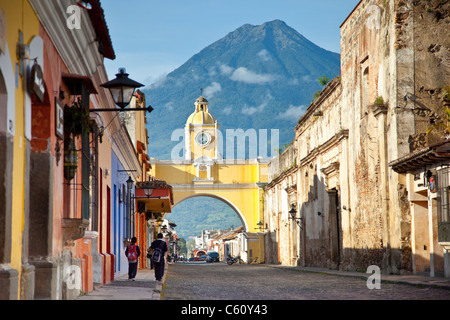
(94,177)
(443,191)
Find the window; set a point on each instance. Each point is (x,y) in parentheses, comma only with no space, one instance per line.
(443,191)
(365,92)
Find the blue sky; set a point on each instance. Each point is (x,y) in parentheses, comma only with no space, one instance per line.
(153,37)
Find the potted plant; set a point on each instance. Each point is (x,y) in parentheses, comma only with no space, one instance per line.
(76,123)
(76,120)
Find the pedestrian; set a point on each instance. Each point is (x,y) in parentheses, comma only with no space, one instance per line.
(160,244)
(132,252)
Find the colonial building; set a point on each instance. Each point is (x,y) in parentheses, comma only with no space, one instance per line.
(353,210)
(65,163)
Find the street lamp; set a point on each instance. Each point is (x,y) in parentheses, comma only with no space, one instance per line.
(130,183)
(293,214)
(148,192)
(122,88)
(70,161)
(260,226)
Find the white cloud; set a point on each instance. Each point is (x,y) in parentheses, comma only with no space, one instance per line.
(226,70)
(244,75)
(161,80)
(252,110)
(212,71)
(292,112)
(209,91)
(227,110)
(169,106)
(264,55)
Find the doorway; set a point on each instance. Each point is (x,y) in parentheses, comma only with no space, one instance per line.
(335,228)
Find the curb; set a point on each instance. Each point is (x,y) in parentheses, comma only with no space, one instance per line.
(412,280)
(159,285)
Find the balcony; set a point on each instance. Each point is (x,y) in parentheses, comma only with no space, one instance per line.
(73,229)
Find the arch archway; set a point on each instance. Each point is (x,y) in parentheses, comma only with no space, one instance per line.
(215,196)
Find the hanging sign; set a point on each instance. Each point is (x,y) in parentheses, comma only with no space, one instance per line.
(59,119)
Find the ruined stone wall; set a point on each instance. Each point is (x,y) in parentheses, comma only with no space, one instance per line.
(376,67)
(431,69)
(394,83)
(319,142)
(281,238)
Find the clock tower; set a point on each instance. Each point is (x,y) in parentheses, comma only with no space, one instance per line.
(201,140)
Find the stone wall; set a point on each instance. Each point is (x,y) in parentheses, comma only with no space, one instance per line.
(431,69)
(394,74)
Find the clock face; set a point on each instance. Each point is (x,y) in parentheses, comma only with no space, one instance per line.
(203,139)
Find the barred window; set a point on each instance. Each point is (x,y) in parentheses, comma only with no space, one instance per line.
(443,191)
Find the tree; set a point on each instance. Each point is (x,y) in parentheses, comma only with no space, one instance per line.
(182,246)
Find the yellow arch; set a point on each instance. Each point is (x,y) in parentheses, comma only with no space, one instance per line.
(238,184)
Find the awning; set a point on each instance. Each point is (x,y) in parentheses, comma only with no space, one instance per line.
(75,82)
(434,154)
(160,199)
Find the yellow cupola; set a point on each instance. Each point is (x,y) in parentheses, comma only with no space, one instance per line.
(201,132)
(201,115)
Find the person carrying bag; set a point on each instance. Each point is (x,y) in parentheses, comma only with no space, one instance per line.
(159,248)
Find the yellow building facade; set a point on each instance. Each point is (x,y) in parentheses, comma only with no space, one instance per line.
(19,25)
(203,172)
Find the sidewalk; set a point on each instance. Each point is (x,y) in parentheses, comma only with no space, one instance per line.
(145,287)
(409,279)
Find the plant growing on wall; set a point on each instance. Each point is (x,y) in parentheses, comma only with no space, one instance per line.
(323,80)
(443,124)
(446,93)
(379,101)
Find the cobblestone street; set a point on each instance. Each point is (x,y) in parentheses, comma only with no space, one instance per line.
(219,281)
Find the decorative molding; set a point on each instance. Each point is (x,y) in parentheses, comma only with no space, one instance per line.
(332,169)
(78,48)
(291,189)
(380,109)
(335,140)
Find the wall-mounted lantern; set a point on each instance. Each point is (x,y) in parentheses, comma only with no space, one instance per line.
(293,214)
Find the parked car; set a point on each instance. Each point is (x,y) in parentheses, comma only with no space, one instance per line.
(212,256)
